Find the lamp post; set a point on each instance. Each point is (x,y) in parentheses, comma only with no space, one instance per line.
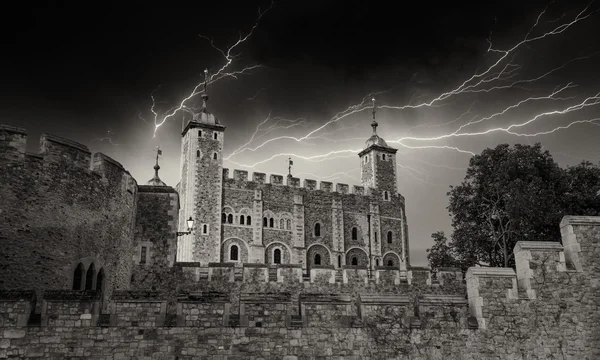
(190,225)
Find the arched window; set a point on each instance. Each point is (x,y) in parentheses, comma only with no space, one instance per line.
(230,218)
(215,156)
(89,277)
(385,195)
(77,276)
(100,280)
(205,229)
(390,263)
(242,219)
(215,136)
(233,253)
(248,220)
(277,256)
(223,218)
(354,233)
(317,229)
(197,153)
(282,224)
(354,260)
(143,254)
(377,260)
(389,237)
(339,261)
(271,222)
(265,222)
(199,133)
(317,259)
(288,223)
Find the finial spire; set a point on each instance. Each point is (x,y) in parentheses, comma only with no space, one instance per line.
(156,166)
(290,163)
(205,95)
(374,123)
(156,181)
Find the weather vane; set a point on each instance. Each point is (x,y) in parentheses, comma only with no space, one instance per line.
(374,111)
(290,163)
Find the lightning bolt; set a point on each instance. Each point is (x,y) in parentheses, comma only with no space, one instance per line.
(108,138)
(480,82)
(221,73)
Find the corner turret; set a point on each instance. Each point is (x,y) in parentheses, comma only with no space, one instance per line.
(378,164)
(201,186)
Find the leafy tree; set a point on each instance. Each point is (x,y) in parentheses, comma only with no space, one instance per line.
(441,254)
(583,194)
(513,194)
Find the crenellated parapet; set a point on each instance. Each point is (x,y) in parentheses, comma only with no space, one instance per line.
(241,180)
(547,274)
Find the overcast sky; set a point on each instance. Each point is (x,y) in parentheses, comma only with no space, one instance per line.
(88,74)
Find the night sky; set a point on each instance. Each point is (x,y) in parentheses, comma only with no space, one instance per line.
(87,73)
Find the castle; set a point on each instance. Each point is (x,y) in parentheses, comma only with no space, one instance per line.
(95,266)
(244,221)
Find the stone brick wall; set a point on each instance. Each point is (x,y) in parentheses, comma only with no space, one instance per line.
(295,212)
(155,233)
(59,208)
(549,308)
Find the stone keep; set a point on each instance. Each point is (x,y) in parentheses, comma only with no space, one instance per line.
(240,220)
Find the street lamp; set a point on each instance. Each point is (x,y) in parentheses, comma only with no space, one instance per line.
(190,225)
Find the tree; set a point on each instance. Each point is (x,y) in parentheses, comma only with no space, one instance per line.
(582,196)
(508,195)
(441,254)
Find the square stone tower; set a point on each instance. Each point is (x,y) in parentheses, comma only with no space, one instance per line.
(201,188)
(378,165)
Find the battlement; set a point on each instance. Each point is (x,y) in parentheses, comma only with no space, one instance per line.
(53,149)
(240,179)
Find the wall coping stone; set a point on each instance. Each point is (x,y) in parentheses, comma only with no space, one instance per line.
(27,295)
(439,299)
(260,298)
(314,298)
(128,295)
(72,295)
(387,267)
(580,220)
(538,245)
(490,272)
(204,297)
(13,129)
(384,299)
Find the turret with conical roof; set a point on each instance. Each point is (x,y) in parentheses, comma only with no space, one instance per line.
(378,163)
(156,181)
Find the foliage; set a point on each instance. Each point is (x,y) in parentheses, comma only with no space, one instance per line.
(441,255)
(510,195)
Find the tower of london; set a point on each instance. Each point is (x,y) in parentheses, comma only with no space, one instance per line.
(251,220)
(94,265)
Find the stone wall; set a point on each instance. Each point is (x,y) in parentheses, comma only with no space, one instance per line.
(155,240)
(59,208)
(548,308)
(295,211)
